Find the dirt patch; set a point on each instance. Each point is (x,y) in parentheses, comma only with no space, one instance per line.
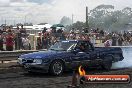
(25,80)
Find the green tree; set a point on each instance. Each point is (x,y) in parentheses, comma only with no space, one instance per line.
(65,21)
(105,17)
(76,26)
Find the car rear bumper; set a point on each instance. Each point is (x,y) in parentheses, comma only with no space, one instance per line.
(121,58)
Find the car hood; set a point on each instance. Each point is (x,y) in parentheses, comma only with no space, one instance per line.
(42,54)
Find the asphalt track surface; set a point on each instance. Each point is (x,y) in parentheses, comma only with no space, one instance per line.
(24,80)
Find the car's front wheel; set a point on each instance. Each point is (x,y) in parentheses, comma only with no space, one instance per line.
(56,67)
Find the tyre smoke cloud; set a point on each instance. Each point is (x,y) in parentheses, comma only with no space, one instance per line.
(127,61)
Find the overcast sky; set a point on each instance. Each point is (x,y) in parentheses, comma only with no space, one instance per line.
(50,11)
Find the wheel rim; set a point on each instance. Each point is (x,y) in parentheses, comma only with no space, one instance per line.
(57,67)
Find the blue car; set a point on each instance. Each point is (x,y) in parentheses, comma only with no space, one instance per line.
(69,54)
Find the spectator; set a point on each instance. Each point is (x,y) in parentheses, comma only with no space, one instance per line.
(125,42)
(9,42)
(53,40)
(54,30)
(101,33)
(39,42)
(87,37)
(108,42)
(44,42)
(17,39)
(1,43)
(9,30)
(120,40)
(86,30)
(44,30)
(22,30)
(131,40)
(63,37)
(93,39)
(26,43)
(1,31)
(59,30)
(114,40)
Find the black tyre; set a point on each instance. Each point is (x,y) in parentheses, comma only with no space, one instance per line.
(107,63)
(56,68)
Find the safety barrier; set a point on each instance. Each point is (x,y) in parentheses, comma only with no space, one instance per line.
(13,55)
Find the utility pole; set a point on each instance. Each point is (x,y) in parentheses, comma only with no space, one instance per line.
(25,19)
(5,22)
(72,18)
(1,20)
(87,18)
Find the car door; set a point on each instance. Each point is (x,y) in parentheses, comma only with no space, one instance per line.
(80,57)
(93,55)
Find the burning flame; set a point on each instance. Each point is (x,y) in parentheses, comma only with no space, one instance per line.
(81,71)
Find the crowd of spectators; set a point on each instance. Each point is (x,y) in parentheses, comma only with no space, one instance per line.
(18,39)
(13,39)
(118,39)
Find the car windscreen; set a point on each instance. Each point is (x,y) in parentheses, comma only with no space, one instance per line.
(63,45)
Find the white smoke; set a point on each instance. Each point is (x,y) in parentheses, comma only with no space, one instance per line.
(127,61)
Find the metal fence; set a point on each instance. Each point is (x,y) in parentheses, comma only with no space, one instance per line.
(13,55)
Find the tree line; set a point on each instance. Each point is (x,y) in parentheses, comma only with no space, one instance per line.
(104,17)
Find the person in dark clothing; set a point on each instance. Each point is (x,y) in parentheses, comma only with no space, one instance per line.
(16,41)
(101,33)
(120,40)
(60,30)
(63,37)
(44,30)
(114,40)
(45,41)
(54,30)
(9,30)
(1,43)
(39,42)
(17,36)
(59,33)
(1,31)
(23,30)
(85,30)
(81,47)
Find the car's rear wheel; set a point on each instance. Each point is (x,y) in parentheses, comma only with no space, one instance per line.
(107,63)
(56,67)
(30,72)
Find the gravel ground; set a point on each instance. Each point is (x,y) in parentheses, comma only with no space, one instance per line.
(12,79)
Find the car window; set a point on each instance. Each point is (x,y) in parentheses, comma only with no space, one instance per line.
(63,45)
(89,46)
(85,46)
(82,46)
